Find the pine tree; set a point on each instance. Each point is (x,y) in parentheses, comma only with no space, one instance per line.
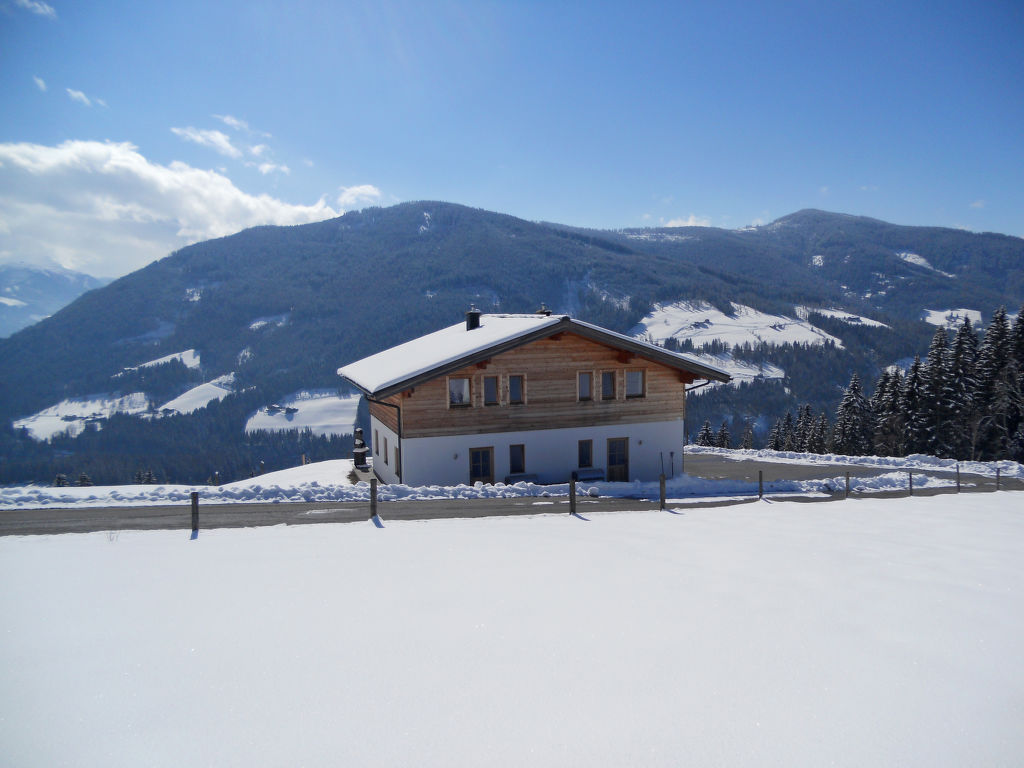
(933,412)
(705,436)
(853,428)
(84,480)
(804,428)
(993,395)
(747,441)
(723,439)
(819,437)
(910,404)
(962,383)
(60,481)
(775,437)
(888,432)
(789,432)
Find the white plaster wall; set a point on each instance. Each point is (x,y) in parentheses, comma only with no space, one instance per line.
(387,473)
(551,454)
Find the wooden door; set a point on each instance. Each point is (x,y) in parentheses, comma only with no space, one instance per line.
(618,459)
(481,465)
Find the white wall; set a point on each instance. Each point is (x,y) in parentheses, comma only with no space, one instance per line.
(551,454)
(387,472)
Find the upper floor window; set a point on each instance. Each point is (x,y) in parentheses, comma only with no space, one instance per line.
(634,383)
(458,391)
(490,390)
(585,385)
(607,385)
(516,389)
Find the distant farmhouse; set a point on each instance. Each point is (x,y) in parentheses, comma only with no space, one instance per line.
(517,397)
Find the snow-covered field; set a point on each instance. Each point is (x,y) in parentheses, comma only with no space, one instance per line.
(201,396)
(702,323)
(858,633)
(951,318)
(73,414)
(740,370)
(840,314)
(325,413)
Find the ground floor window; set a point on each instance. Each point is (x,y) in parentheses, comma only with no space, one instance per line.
(517,459)
(586,454)
(481,465)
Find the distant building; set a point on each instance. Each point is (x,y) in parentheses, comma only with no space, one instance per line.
(509,397)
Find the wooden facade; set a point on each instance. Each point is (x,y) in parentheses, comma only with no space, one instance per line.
(550,368)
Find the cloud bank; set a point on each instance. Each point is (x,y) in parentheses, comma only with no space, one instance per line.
(103,208)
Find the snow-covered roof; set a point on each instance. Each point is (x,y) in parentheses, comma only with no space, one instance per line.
(455,347)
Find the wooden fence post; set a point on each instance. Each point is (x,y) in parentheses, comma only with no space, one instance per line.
(910,478)
(572,494)
(195,514)
(661,488)
(847,486)
(958,477)
(373,497)
(760,483)
(997,478)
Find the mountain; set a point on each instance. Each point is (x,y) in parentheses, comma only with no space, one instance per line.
(282,308)
(30,294)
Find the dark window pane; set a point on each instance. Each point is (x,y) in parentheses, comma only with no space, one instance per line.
(585,382)
(515,389)
(490,390)
(516,459)
(608,385)
(586,458)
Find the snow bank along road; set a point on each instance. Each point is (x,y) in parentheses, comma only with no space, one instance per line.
(865,633)
(313,494)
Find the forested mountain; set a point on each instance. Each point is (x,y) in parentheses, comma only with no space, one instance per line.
(29,294)
(283,307)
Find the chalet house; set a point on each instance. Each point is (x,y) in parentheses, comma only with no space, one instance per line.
(507,397)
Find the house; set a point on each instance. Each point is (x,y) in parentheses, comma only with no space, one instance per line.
(525,397)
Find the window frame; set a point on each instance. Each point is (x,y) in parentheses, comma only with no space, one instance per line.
(497,390)
(589,443)
(643,383)
(522,388)
(469,391)
(522,459)
(615,385)
(590,386)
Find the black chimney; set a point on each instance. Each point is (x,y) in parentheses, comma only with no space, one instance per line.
(544,310)
(472,318)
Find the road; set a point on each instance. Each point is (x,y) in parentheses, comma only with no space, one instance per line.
(19,522)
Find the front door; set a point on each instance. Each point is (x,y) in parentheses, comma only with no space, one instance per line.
(618,459)
(481,465)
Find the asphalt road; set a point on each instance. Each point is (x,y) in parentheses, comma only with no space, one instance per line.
(179,517)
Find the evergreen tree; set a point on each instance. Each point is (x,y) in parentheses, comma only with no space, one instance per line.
(930,432)
(723,439)
(789,433)
(775,437)
(910,404)
(747,441)
(84,480)
(804,428)
(852,435)
(819,442)
(995,389)
(60,481)
(961,385)
(706,436)
(888,432)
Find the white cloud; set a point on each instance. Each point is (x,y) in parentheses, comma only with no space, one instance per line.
(215,140)
(37,7)
(824,191)
(266,168)
(692,221)
(233,122)
(258,149)
(103,208)
(978,204)
(363,194)
(78,96)
(40,83)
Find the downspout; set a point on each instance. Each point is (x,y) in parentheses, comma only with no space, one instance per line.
(401,450)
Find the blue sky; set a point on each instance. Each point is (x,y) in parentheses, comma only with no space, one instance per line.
(131,129)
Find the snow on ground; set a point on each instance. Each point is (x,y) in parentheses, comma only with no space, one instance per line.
(190,359)
(840,314)
(326,413)
(327,481)
(275,321)
(201,396)
(72,415)
(857,633)
(916,461)
(740,370)
(702,323)
(951,318)
(921,261)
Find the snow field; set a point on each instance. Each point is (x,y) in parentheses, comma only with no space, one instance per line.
(324,414)
(771,634)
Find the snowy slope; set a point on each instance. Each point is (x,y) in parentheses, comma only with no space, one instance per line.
(323,413)
(951,318)
(73,414)
(740,370)
(200,396)
(702,323)
(840,314)
(861,633)
(190,359)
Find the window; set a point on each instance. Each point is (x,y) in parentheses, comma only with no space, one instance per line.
(585,382)
(586,454)
(634,383)
(516,390)
(458,391)
(516,459)
(481,465)
(385,450)
(490,390)
(607,385)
